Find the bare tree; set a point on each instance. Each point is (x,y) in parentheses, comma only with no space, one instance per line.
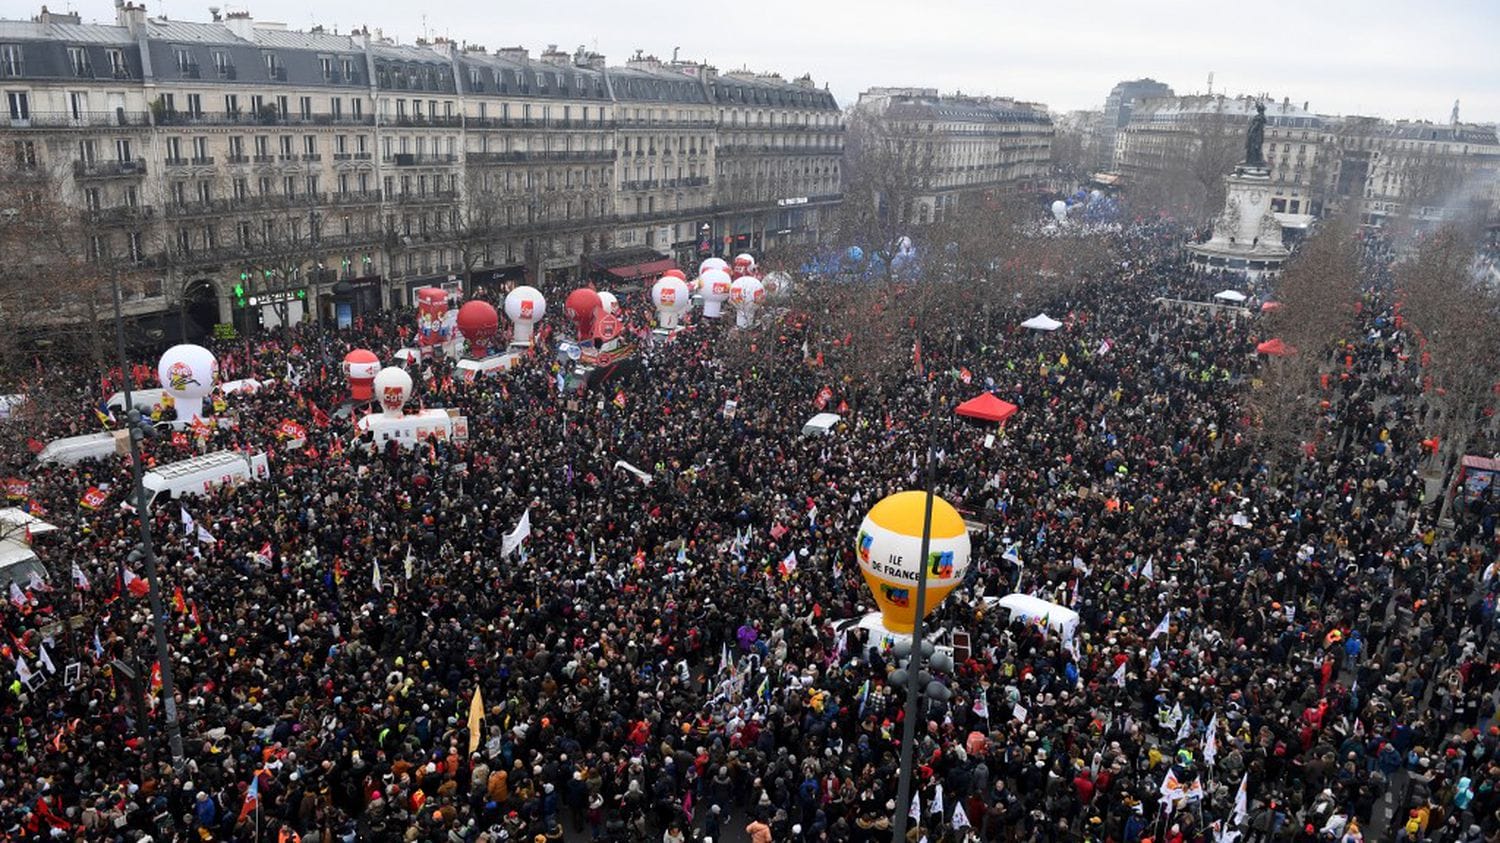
(284,250)
(1456,316)
(887,170)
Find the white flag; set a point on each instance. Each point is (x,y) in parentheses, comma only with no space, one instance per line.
(46,658)
(937,801)
(205,536)
(375,575)
(410,558)
(1119,677)
(187,521)
(80,580)
(982,706)
(960,818)
(1211,740)
(513,539)
(1148,572)
(1185,730)
(1241,802)
(17,596)
(916,807)
(1162,628)
(23,670)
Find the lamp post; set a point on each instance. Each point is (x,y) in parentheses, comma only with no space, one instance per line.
(146,551)
(913,673)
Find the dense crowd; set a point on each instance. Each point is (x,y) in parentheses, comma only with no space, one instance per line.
(648,667)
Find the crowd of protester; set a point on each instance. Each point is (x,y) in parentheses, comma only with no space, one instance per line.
(649,668)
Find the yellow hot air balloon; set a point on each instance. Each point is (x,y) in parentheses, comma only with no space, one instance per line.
(889,547)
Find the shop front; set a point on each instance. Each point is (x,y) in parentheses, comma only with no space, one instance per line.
(350,299)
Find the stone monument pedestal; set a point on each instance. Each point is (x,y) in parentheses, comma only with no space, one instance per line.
(1247,237)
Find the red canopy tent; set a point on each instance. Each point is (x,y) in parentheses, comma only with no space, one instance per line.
(1275,348)
(986,407)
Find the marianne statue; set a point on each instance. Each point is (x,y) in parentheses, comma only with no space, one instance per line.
(1255,137)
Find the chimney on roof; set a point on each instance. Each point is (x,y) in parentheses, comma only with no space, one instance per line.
(131,16)
(513,53)
(554,56)
(805,81)
(47,17)
(240,24)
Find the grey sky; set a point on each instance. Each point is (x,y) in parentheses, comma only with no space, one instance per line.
(1384,57)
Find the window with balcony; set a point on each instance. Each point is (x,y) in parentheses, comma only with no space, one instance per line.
(205,192)
(304,107)
(336,107)
(20,105)
(281,107)
(24,154)
(241,189)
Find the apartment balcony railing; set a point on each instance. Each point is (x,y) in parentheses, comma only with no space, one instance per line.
(414,121)
(120,215)
(366,197)
(409,159)
(551,156)
(665,123)
(80,120)
(570,123)
(237,159)
(267,118)
(109,169)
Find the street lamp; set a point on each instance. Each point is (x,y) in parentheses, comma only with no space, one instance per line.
(918,681)
(140,429)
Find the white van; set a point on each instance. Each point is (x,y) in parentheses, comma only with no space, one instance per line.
(148,397)
(201,475)
(821,424)
(90,446)
(414,428)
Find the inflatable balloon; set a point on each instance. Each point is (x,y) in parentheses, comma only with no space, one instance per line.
(582,306)
(743,265)
(671,299)
(478,322)
(524,306)
(746,294)
(392,387)
(360,366)
(675,273)
(778,285)
(610,304)
(889,546)
(187,374)
(712,263)
(432,314)
(1060,210)
(715,291)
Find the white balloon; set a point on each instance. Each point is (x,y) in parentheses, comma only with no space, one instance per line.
(1060,210)
(610,304)
(671,298)
(746,294)
(712,263)
(716,283)
(392,389)
(524,306)
(187,374)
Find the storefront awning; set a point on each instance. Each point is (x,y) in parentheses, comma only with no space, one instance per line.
(642,270)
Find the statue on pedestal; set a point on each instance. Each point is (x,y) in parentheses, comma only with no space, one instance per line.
(1256,137)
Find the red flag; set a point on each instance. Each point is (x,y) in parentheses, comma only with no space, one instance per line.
(843,406)
(155,677)
(824,396)
(93,498)
(916,356)
(179,439)
(319,417)
(135,585)
(34,445)
(179,604)
(965,375)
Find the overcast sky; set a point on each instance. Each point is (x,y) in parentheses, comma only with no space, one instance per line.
(1392,58)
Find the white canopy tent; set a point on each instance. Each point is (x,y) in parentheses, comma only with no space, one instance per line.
(1231,295)
(1041,322)
(17,560)
(1024,606)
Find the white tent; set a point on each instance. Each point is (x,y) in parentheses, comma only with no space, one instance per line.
(1041,322)
(1230,295)
(15,521)
(1024,606)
